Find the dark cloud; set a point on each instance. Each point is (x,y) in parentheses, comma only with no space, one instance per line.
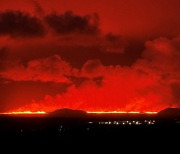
(19,24)
(22,24)
(114,43)
(75,45)
(68,23)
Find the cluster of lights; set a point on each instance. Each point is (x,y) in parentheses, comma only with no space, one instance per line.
(120,123)
(150,122)
(134,122)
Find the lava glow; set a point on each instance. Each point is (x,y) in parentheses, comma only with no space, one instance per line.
(120,112)
(89,112)
(25,112)
(151,112)
(104,63)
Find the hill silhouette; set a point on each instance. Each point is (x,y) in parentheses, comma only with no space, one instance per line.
(169,113)
(69,113)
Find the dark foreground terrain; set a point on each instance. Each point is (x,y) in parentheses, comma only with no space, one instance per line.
(92,130)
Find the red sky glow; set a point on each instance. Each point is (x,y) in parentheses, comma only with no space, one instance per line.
(89,55)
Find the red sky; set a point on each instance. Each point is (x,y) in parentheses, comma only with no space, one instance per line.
(89,54)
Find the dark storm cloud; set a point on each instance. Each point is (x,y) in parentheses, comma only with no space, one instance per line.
(70,23)
(19,24)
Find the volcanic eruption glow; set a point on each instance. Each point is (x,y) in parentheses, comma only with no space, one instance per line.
(24,112)
(67,61)
(121,112)
(89,112)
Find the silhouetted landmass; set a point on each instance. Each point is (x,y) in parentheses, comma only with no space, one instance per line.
(69,127)
(169,113)
(69,113)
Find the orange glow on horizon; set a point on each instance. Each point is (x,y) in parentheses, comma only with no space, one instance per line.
(151,112)
(25,112)
(120,112)
(89,112)
(106,59)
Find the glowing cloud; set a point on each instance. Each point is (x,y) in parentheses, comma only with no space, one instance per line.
(144,87)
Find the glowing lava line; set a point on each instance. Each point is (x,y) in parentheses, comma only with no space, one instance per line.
(151,112)
(89,112)
(25,112)
(119,112)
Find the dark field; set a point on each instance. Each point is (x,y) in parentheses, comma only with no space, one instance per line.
(91,131)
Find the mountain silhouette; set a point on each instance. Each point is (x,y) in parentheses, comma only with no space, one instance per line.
(69,113)
(169,113)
